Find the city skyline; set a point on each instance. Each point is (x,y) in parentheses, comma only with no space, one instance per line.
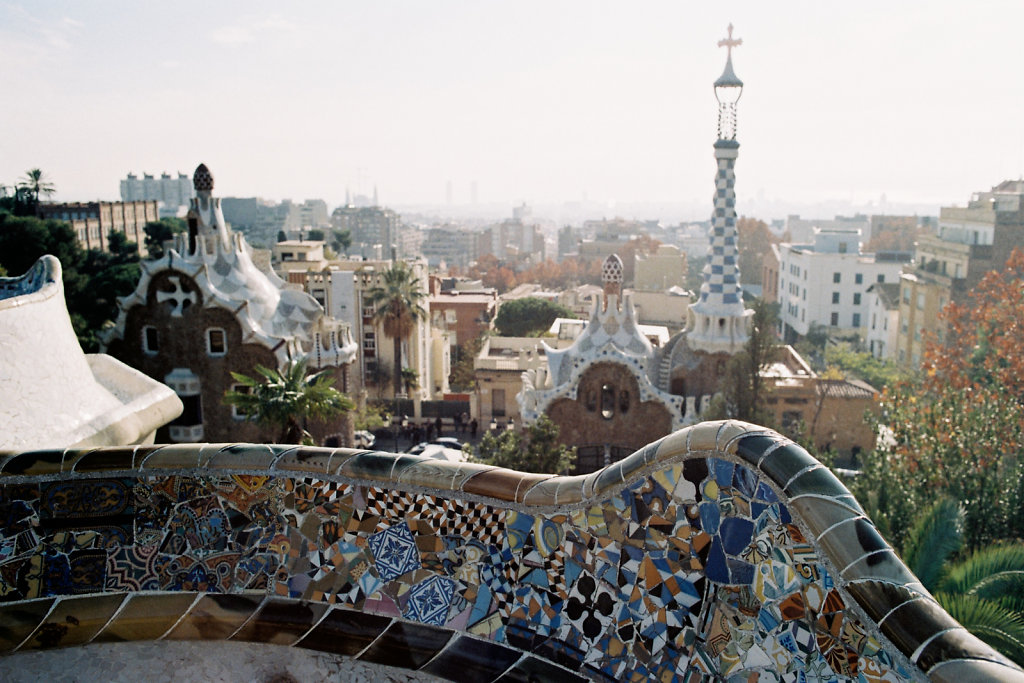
(526,102)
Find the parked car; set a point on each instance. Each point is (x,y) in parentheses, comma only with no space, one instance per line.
(448,442)
(364,439)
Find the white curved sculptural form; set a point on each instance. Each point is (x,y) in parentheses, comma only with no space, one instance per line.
(51,394)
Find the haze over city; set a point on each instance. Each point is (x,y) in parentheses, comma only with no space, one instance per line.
(870,104)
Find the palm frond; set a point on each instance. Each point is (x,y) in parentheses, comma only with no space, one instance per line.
(937,535)
(978,572)
(1006,588)
(998,626)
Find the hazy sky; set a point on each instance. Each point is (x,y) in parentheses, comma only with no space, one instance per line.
(536,101)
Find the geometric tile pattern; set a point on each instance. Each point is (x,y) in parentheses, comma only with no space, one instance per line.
(724,552)
(394,551)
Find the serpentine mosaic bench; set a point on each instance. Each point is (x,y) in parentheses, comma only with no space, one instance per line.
(721,552)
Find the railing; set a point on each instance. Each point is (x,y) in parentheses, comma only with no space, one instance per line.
(722,551)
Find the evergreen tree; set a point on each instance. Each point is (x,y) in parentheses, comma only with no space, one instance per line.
(528,316)
(536,450)
(159,232)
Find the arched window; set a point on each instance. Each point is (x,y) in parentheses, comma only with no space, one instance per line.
(607,401)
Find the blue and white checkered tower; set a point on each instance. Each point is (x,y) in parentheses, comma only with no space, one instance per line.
(718,321)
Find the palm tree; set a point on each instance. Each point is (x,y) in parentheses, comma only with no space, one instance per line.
(287,398)
(984,590)
(36,183)
(411,379)
(398,302)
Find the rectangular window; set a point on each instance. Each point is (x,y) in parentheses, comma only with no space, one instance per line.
(804,297)
(834,320)
(836,277)
(236,412)
(150,340)
(856,319)
(835,297)
(842,248)
(906,295)
(368,311)
(920,301)
(880,278)
(369,341)
(874,321)
(856,299)
(858,279)
(216,341)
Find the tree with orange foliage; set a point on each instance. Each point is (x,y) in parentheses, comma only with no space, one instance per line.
(957,428)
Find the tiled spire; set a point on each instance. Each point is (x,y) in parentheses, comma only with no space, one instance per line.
(718,320)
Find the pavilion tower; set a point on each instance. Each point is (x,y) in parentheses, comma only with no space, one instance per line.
(718,321)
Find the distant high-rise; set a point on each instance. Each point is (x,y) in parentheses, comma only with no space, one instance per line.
(370,225)
(171,191)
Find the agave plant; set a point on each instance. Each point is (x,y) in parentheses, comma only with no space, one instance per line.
(983,590)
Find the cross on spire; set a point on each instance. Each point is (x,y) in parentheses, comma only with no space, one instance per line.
(729,43)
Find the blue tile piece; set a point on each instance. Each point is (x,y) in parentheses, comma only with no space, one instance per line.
(709,517)
(723,472)
(765,493)
(740,572)
(518,526)
(767,620)
(536,577)
(716,568)
(571,572)
(394,551)
(745,480)
(784,515)
(482,605)
(736,533)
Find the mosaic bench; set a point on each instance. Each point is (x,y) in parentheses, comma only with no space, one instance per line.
(721,552)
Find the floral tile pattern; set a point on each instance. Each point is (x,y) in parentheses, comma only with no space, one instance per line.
(693,569)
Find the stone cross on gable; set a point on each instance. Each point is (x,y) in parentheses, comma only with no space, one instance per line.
(729,42)
(179,296)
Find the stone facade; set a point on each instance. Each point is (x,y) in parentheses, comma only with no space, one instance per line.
(607,413)
(94,221)
(206,310)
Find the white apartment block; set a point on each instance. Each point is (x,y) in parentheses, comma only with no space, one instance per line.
(171,191)
(883,320)
(825,282)
(342,288)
